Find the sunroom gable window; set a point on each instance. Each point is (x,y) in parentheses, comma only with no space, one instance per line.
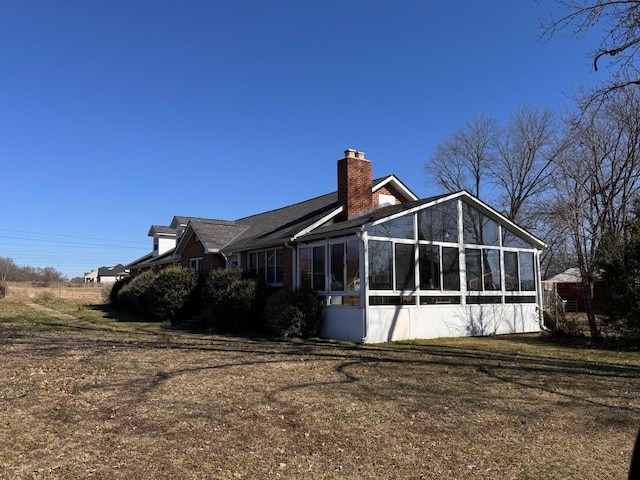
(478,228)
(439,223)
(400,227)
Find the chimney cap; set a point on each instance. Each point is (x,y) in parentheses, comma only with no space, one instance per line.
(353,153)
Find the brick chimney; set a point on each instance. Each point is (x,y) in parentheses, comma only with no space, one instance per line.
(355,180)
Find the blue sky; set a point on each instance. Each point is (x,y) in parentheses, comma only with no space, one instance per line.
(117,115)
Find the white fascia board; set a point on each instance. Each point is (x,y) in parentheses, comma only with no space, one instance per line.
(319,223)
(398,185)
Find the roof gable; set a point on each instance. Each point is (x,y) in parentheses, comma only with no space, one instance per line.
(385,213)
(397,185)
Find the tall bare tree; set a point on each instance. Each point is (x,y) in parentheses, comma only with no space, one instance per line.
(599,179)
(619,21)
(461,161)
(525,162)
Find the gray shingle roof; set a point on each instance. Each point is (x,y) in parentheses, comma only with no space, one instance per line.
(284,223)
(272,227)
(216,234)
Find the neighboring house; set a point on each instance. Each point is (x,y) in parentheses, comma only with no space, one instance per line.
(164,244)
(91,277)
(106,274)
(389,266)
(568,286)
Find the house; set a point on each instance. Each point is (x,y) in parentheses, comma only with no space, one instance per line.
(164,244)
(106,274)
(388,265)
(568,286)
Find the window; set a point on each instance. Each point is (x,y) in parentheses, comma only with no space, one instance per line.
(337,267)
(345,266)
(380,265)
(483,269)
(401,227)
(491,267)
(306,267)
(527,272)
(439,223)
(195,264)
(318,280)
(405,267)
(474,269)
(353,265)
(478,228)
(519,272)
(450,268)
(429,266)
(511,275)
(267,266)
(510,239)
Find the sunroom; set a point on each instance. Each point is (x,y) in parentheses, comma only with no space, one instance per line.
(440,267)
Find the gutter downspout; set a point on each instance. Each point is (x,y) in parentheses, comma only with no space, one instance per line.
(364,284)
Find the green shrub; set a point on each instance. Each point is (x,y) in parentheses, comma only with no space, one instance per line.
(231,299)
(3,290)
(168,293)
(115,289)
(132,295)
(293,314)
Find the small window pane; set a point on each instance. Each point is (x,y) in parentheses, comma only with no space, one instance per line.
(271,266)
(305,267)
(380,265)
(353,265)
(527,272)
(511,277)
(491,267)
(253,263)
(439,223)
(318,269)
(429,262)
(405,267)
(474,269)
(337,266)
(478,228)
(510,239)
(262,267)
(401,227)
(450,268)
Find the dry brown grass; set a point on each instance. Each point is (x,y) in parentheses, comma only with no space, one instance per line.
(86,293)
(144,403)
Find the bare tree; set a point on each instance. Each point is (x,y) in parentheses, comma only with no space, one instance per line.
(461,161)
(619,21)
(8,269)
(525,163)
(599,178)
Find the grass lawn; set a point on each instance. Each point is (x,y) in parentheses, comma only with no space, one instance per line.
(138,401)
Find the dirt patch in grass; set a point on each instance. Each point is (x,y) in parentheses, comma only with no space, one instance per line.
(146,402)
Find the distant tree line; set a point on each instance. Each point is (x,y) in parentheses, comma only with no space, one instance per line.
(11,272)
